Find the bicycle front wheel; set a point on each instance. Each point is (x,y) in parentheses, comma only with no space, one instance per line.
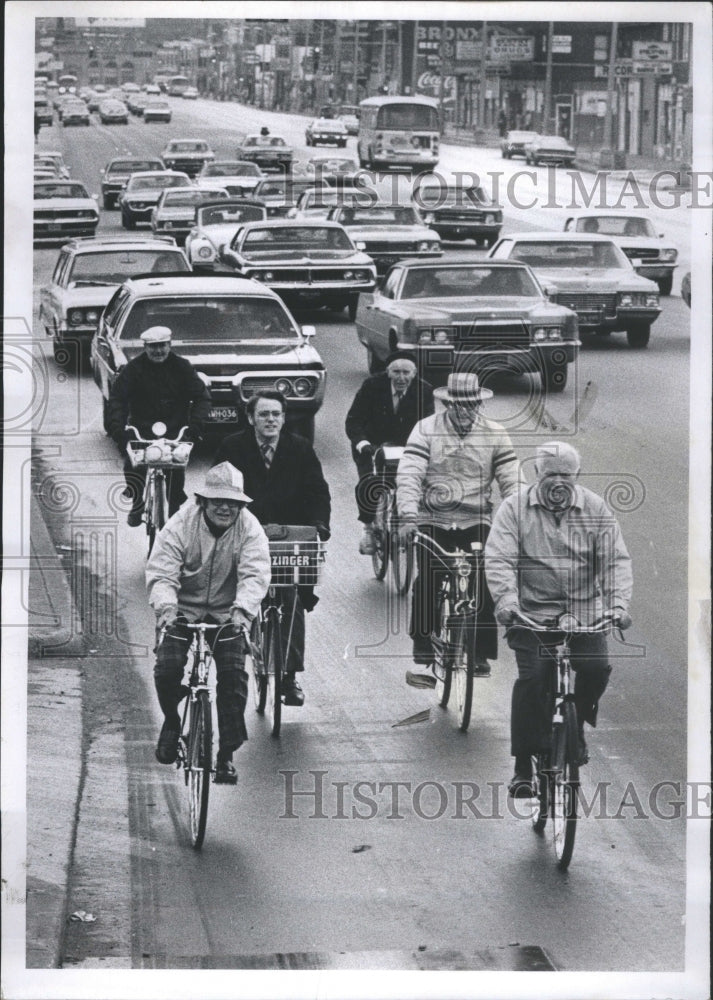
(258,668)
(541,776)
(200,752)
(380,555)
(565,786)
(462,673)
(402,565)
(442,648)
(157,511)
(275,667)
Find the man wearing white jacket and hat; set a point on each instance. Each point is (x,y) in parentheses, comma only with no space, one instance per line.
(210,563)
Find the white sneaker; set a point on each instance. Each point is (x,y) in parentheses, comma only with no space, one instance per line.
(367,546)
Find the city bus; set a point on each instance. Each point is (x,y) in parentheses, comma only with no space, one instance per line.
(177,85)
(398,132)
(67,82)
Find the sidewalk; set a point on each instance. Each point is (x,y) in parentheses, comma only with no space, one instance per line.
(54,743)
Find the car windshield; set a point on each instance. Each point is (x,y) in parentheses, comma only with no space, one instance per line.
(336,165)
(155,105)
(552,140)
(234,168)
(564,254)
(380,216)
(465,282)
(157,182)
(435,196)
(132,166)
(208,319)
(60,191)
(264,140)
(174,198)
(217,215)
(112,267)
(282,187)
(297,238)
(615,225)
(187,147)
(521,136)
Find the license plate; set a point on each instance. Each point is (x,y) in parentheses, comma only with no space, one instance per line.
(590,317)
(223,414)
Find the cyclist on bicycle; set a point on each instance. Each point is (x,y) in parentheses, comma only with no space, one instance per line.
(210,563)
(157,385)
(555,547)
(384,410)
(284,475)
(444,482)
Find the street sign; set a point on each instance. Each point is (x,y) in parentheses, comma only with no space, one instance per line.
(651,52)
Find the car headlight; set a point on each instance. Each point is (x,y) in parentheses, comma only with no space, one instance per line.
(167,224)
(423,246)
(441,336)
(424,337)
(542,333)
(489,220)
(303,387)
(668,254)
(205,253)
(652,301)
(349,275)
(92,316)
(626,299)
(435,245)
(75,317)
(266,276)
(284,386)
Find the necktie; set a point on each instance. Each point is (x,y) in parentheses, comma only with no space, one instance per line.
(398,396)
(267,453)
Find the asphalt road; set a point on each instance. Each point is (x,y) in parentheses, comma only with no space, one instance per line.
(369,875)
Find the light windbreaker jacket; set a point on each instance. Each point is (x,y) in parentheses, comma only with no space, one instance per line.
(205,575)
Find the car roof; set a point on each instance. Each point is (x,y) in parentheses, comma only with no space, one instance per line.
(626,213)
(87,244)
(137,159)
(205,285)
(295,223)
(559,237)
(232,202)
(159,173)
(465,259)
(172,142)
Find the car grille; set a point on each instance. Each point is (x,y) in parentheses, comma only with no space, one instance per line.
(588,302)
(69,213)
(186,166)
(489,336)
(643,253)
(305,276)
(259,383)
(406,247)
(458,215)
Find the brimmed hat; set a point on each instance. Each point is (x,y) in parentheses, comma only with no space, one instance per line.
(401,356)
(156,335)
(224,482)
(462,387)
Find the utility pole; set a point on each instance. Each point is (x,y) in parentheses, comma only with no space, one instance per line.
(442,60)
(547,109)
(611,84)
(483,75)
(338,96)
(414,60)
(399,58)
(355,96)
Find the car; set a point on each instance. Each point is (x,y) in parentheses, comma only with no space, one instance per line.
(465,314)
(590,274)
(188,155)
(270,152)
(307,262)
(44,112)
(216,224)
(349,114)
(130,88)
(457,212)
(549,149)
(317,202)
(143,190)
(63,209)
(74,113)
(386,232)
(175,211)
(151,88)
(648,250)
(157,111)
(189,94)
(686,288)
(113,112)
(94,99)
(136,103)
(238,334)
(280,194)
(237,177)
(53,156)
(86,275)
(513,143)
(337,167)
(326,132)
(117,172)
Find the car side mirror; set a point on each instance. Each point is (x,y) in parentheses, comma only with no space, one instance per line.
(308,332)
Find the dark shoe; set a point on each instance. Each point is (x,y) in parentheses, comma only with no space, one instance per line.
(225,773)
(521,787)
(135,518)
(583,752)
(292,693)
(420,680)
(481,669)
(422,652)
(167,749)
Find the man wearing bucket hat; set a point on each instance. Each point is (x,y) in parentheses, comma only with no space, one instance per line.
(555,548)
(211,562)
(444,484)
(385,410)
(156,386)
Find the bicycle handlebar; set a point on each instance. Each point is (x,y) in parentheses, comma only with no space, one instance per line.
(140,440)
(569,624)
(198,627)
(422,539)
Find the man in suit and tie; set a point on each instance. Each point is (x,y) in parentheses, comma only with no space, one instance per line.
(284,477)
(385,410)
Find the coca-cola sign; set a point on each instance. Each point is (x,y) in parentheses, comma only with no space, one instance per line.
(430,83)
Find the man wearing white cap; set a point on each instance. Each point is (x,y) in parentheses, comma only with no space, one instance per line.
(555,548)
(157,385)
(444,483)
(211,562)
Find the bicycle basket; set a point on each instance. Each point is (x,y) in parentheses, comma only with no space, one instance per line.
(160,454)
(387,458)
(296,555)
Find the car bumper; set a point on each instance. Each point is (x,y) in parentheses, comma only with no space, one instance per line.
(659,270)
(138,214)
(51,231)
(623,318)
(474,230)
(435,360)
(384,261)
(328,140)
(229,394)
(156,118)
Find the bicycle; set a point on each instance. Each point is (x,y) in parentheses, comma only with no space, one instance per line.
(195,744)
(556,769)
(159,455)
(453,635)
(388,547)
(297,556)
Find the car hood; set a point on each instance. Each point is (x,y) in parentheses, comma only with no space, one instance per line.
(302,257)
(368,233)
(144,194)
(65,203)
(193,155)
(218,235)
(179,212)
(609,279)
(437,310)
(242,354)
(88,295)
(216,183)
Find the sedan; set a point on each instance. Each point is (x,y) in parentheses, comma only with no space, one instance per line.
(175,211)
(280,194)
(457,212)
(591,275)
(143,190)
(117,172)
(216,224)
(157,111)
(188,155)
(113,112)
(136,103)
(270,152)
(462,314)
(74,113)
(63,209)
(237,177)
(549,149)
(513,143)
(650,253)
(387,233)
(190,94)
(326,132)
(306,262)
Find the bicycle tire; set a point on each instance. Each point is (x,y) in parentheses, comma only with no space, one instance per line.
(442,665)
(565,780)
(273,660)
(541,779)
(200,752)
(156,510)
(462,674)
(258,667)
(402,561)
(380,535)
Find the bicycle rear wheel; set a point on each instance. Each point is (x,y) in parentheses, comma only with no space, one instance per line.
(462,673)
(442,649)
(258,667)
(200,752)
(541,780)
(565,786)
(380,555)
(273,660)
